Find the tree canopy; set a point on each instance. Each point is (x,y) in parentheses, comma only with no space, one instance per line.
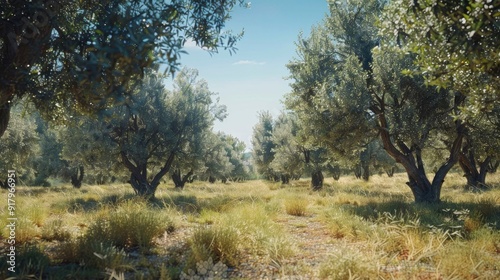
(360,92)
(456,46)
(152,130)
(67,56)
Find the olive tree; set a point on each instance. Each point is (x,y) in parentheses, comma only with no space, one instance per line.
(20,147)
(263,145)
(480,153)
(456,46)
(153,126)
(365,94)
(88,54)
(235,150)
(88,151)
(289,159)
(217,161)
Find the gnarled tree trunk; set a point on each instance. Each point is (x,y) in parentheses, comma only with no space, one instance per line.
(142,187)
(77,176)
(180,181)
(285,179)
(424,191)
(476,179)
(317,180)
(139,176)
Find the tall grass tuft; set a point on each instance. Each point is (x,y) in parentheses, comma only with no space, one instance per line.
(217,243)
(296,206)
(26,230)
(348,264)
(257,231)
(31,263)
(94,254)
(54,229)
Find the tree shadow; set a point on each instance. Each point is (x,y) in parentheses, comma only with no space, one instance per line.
(446,215)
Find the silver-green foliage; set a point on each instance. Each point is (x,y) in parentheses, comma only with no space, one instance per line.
(152,129)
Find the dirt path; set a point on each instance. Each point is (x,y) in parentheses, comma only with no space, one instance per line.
(311,241)
(312,245)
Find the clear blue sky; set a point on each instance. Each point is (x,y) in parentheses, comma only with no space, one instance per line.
(253,79)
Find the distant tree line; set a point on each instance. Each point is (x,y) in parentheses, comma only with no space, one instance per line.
(281,153)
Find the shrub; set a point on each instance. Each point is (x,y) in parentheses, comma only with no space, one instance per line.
(295,206)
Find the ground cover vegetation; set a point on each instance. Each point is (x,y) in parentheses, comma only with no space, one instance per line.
(118,177)
(257,229)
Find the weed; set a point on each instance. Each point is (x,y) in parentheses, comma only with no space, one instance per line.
(93,253)
(206,270)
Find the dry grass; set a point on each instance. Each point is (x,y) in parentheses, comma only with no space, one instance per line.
(296,206)
(376,227)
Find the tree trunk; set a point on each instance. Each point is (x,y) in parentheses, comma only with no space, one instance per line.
(365,165)
(180,181)
(423,190)
(139,179)
(77,177)
(335,172)
(476,179)
(4,184)
(317,180)
(211,179)
(285,179)
(357,172)
(390,171)
(4,117)
(142,187)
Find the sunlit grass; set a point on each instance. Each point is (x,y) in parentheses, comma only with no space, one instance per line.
(375,225)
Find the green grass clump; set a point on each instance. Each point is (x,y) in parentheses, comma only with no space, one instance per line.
(31,263)
(348,264)
(217,243)
(131,224)
(94,254)
(296,206)
(343,224)
(26,230)
(258,232)
(54,229)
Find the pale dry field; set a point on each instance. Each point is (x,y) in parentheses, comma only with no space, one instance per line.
(257,230)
